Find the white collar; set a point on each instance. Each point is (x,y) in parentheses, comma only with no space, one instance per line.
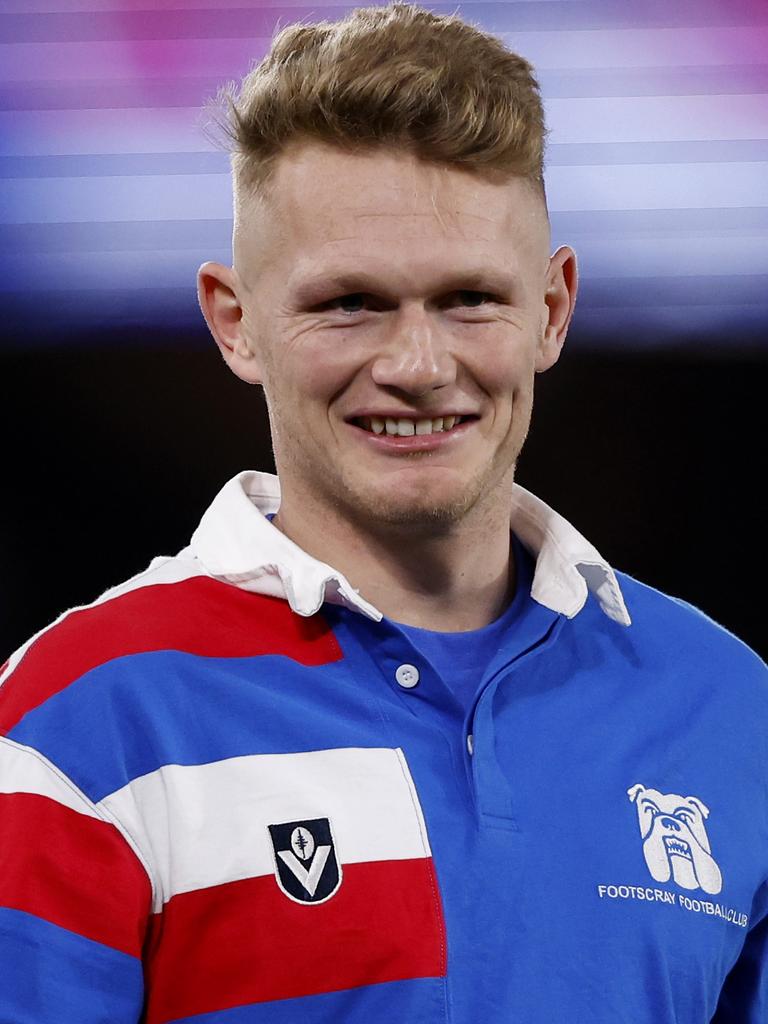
(237,544)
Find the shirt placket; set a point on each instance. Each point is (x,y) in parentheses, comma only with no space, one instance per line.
(471,734)
(493,790)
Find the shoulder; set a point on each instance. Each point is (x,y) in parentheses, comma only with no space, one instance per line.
(172,605)
(677,629)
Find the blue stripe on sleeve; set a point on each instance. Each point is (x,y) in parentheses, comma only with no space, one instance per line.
(135,714)
(51,975)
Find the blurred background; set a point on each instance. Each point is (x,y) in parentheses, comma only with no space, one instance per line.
(119,421)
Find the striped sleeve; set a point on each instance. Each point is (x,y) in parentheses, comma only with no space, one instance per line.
(75,901)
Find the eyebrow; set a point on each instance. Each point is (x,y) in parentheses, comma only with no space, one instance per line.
(647,802)
(331,284)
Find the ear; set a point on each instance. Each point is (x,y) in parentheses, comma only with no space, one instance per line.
(634,791)
(217,294)
(560,298)
(704,810)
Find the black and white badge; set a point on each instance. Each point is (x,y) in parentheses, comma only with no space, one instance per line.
(306,866)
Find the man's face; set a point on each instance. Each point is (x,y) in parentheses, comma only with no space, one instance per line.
(439,310)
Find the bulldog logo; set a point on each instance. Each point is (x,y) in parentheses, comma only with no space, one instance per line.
(306,867)
(675,843)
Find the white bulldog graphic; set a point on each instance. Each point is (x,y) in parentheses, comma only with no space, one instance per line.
(675,841)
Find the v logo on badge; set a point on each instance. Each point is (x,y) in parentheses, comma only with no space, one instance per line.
(307,868)
(308,878)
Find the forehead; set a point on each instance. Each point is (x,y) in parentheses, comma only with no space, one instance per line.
(325,201)
(667,799)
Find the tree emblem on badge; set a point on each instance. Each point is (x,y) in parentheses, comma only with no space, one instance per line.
(306,867)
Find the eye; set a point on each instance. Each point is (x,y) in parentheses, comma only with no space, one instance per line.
(354,298)
(685,816)
(483,296)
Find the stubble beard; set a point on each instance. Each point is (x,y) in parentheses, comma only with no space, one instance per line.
(372,512)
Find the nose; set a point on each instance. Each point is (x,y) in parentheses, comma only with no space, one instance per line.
(671,823)
(416,358)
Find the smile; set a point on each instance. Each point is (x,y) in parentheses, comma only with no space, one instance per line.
(404,426)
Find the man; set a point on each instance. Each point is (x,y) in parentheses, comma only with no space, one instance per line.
(364,750)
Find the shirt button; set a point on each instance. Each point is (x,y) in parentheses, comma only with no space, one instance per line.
(407,676)
(470,744)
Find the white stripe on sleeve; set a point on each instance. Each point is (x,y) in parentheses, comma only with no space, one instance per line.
(204,825)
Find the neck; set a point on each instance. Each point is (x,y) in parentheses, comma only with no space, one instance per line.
(458,579)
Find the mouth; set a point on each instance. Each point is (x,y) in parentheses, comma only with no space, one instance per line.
(677,847)
(409,426)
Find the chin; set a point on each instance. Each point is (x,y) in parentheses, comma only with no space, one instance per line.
(393,508)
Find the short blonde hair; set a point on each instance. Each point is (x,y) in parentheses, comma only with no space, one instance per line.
(396,76)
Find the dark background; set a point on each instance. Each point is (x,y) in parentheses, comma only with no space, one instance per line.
(113,448)
(119,420)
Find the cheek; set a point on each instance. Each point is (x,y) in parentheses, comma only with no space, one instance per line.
(315,373)
(517,395)
(298,398)
(505,363)
(290,387)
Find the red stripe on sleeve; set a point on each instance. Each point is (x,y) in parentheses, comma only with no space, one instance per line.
(246,942)
(72,870)
(198,615)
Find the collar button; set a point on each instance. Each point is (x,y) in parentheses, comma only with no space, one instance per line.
(407,676)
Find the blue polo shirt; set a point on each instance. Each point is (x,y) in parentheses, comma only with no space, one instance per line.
(232,792)
(573,810)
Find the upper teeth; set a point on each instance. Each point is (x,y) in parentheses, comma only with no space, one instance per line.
(403,427)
